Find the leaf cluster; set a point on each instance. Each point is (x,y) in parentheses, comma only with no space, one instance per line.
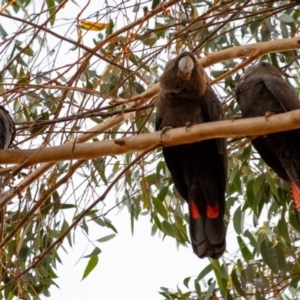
(68,78)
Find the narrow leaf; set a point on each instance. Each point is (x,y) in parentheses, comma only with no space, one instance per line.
(110,225)
(237,284)
(154,3)
(51,8)
(204,272)
(93,261)
(95,26)
(244,249)
(268,254)
(286,18)
(210,290)
(186,282)
(95,252)
(238,220)
(197,287)
(106,238)
(160,207)
(219,276)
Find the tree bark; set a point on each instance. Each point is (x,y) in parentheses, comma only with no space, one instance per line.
(237,128)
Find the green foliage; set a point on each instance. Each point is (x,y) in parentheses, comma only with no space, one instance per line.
(59,80)
(92,263)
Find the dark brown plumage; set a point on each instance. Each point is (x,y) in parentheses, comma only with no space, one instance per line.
(263,91)
(7,129)
(199,170)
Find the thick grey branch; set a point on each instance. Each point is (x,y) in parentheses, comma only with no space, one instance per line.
(252,50)
(244,127)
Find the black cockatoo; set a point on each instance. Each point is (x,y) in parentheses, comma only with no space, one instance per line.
(199,170)
(261,92)
(7,129)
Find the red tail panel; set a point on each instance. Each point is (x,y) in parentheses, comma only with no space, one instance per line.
(194,211)
(212,211)
(295,191)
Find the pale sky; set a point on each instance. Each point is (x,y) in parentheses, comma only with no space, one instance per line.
(130,267)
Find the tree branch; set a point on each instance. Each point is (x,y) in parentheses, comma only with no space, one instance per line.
(259,49)
(251,50)
(36,174)
(243,127)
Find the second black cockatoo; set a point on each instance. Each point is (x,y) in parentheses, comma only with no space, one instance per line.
(7,129)
(199,170)
(263,92)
